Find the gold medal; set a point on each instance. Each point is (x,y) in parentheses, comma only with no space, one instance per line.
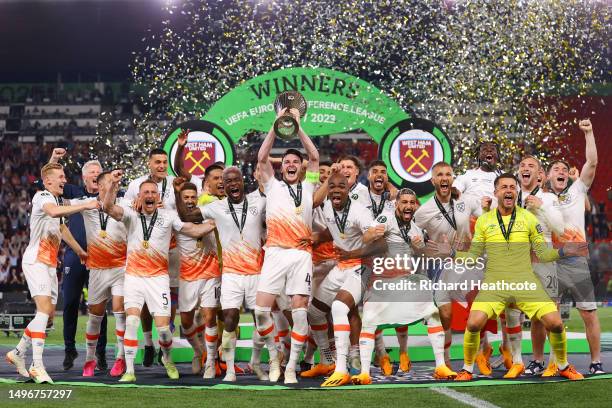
(342,235)
(299,210)
(199,243)
(145,244)
(103,234)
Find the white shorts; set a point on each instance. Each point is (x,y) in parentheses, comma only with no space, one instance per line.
(199,293)
(154,291)
(41,279)
(320,271)
(547,273)
(574,276)
(104,283)
(392,301)
(238,289)
(174,266)
(288,268)
(352,280)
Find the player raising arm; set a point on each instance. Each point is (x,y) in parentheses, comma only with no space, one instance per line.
(510,232)
(287,260)
(573,273)
(40,263)
(147,281)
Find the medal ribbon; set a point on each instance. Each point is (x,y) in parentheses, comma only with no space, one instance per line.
(297,198)
(451,221)
(533,192)
(164,185)
(505,233)
(404,229)
(341,222)
(563,192)
(375,209)
(245,207)
(103,220)
(146,231)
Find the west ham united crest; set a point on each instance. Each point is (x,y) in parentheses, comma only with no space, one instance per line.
(206,144)
(416,156)
(410,148)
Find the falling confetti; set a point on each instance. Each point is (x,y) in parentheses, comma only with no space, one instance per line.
(481,69)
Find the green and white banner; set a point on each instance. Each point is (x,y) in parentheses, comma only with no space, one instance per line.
(337,103)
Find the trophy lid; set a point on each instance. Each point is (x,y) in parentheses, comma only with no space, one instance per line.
(290,100)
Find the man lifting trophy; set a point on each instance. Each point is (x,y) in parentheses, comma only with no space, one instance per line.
(286,125)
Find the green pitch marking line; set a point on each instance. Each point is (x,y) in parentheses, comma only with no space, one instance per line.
(464,398)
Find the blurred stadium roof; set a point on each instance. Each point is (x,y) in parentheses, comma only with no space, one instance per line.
(81,39)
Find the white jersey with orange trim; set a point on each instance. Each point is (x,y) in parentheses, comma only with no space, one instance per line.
(242,252)
(152,260)
(572,207)
(198,257)
(477,183)
(360,193)
(396,244)
(429,217)
(324,251)
(358,221)
(45,234)
(104,250)
(285,222)
(166,192)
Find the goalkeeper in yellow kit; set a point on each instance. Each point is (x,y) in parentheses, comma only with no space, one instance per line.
(508,235)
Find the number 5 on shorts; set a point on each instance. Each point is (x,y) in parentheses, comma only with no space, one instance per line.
(165,297)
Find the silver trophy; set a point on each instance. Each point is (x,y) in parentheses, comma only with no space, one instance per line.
(286,127)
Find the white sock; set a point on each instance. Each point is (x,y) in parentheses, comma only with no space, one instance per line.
(353,350)
(130,341)
(379,344)
(228,344)
(211,336)
(435,332)
(402,338)
(24,343)
(37,332)
(191,334)
(299,335)
(120,332)
(258,344)
(366,346)
(265,327)
(318,329)
(148,338)
(515,334)
(342,330)
(165,341)
(92,333)
(283,332)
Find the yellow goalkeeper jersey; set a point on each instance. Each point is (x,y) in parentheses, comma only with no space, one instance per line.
(509,259)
